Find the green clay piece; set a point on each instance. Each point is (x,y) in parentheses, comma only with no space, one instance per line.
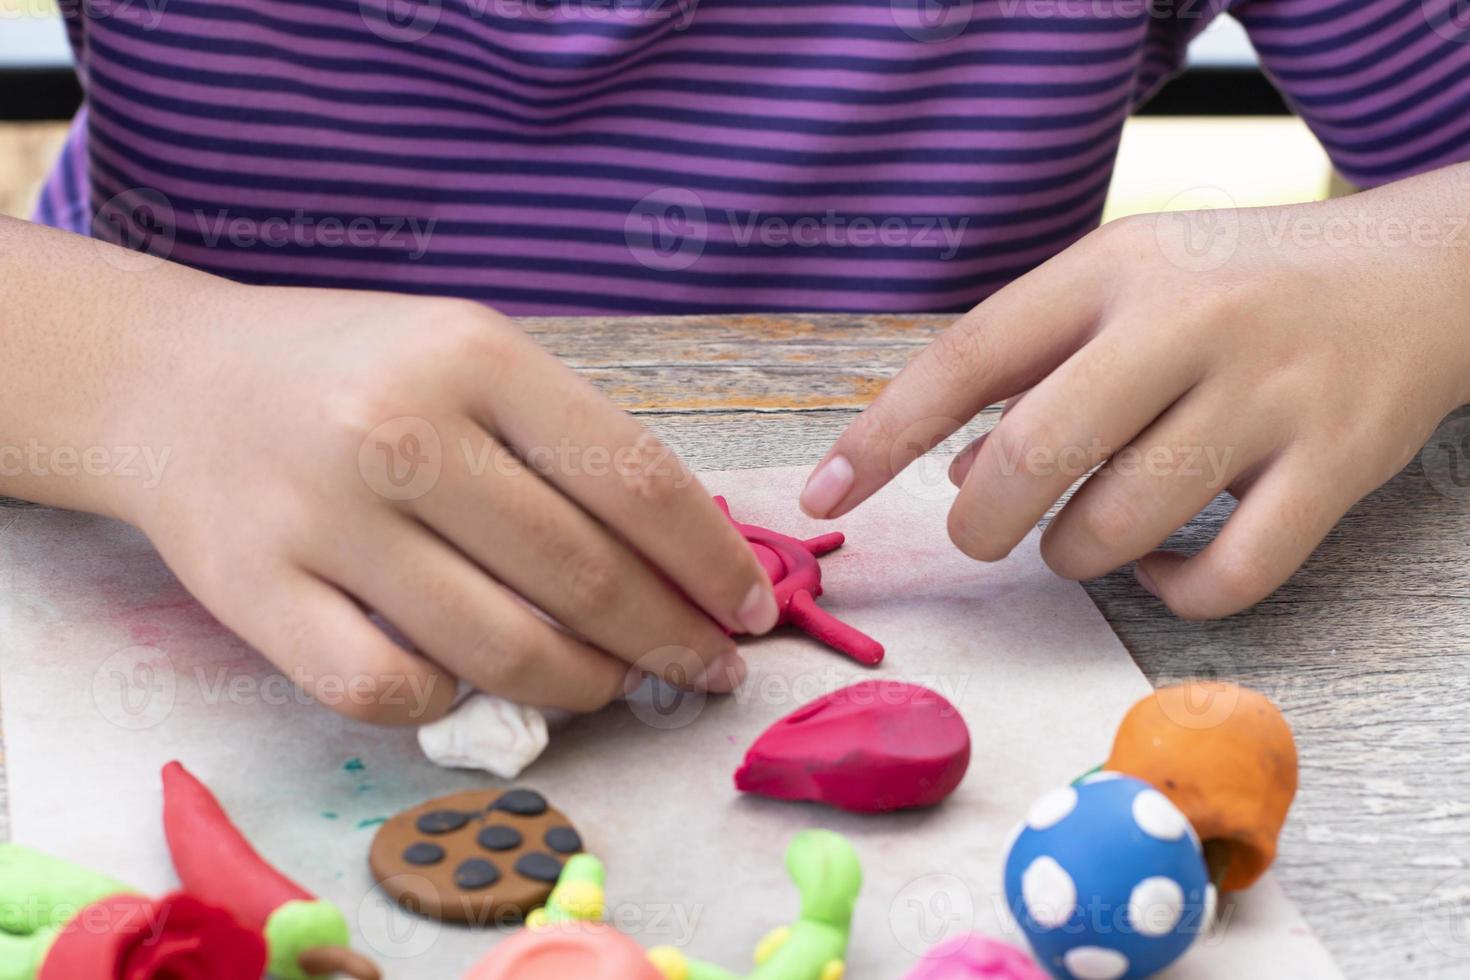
(38,891)
(354,764)
(297,926)
(827,873)
(21,956)
(578,895)
(371,822)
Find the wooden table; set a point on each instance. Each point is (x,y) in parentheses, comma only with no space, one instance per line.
(1367,649)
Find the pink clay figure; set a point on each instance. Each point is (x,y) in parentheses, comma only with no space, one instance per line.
(975,957)
(792,566)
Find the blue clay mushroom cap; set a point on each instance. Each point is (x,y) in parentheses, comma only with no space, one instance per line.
(1107,880)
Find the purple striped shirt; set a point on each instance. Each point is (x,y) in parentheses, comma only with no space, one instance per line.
(683,156)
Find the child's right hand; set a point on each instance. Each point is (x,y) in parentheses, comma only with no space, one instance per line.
(331,451)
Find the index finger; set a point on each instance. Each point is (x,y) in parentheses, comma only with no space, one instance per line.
(603,459)
(1000,348)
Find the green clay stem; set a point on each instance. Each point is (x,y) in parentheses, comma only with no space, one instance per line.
(297,926)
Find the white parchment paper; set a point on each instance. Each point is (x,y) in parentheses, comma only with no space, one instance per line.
(108,669)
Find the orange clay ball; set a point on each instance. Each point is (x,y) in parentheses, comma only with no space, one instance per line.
(1225,756)
(586,951)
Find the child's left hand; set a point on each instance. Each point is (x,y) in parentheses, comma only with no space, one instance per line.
(1298,357)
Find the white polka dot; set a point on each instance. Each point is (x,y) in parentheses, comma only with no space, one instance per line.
(1155,905)
(1101,776)
(1157,817)
(1095,963)
(1052,808)
(1212,905)
(1049,892)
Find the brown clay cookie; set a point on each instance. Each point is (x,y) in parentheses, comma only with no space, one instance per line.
(485,857)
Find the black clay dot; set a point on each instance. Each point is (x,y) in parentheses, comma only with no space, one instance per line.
(499,837)
(563,840)
(441,821)
(423,853)
(522,802)
(539,867)
(476,873)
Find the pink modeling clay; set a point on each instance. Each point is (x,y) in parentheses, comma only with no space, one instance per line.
(792,566)
(975,957)
(869,748)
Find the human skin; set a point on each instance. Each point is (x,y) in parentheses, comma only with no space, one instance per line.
(276,415)
(1299,361)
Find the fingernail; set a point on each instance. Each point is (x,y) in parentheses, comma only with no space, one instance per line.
(725,674)
(827,486)
(633,681)
(758,612)
(1145,581)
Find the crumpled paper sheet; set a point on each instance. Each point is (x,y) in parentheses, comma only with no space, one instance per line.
(108,669)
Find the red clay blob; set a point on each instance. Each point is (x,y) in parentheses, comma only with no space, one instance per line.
(869,748)
(792,566)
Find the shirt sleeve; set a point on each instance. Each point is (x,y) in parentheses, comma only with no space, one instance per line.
(1385,84)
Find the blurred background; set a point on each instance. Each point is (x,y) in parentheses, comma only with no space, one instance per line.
(1220,124)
